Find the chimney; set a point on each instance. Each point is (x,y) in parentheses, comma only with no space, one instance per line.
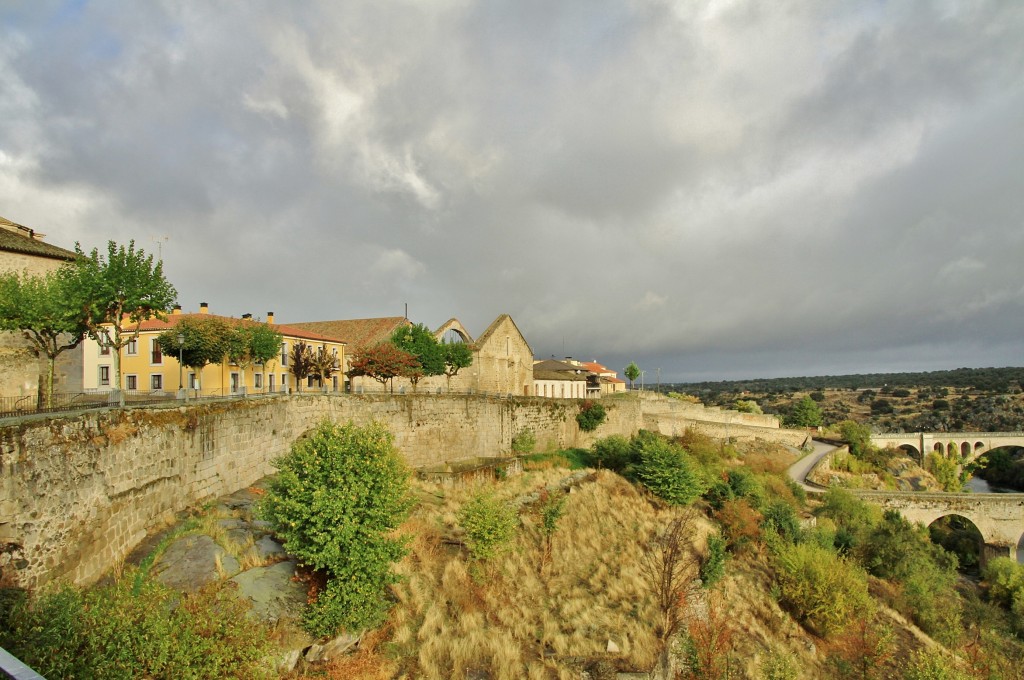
(270,318)
(247,316)
(204,308)
(176,310)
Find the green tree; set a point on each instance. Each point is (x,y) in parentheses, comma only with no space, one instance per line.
(207,341)
(457,356)
(632,372)
(821,588)
(383,362)
(857,436)
(591,415)
(253,343)
(124,288)
(336,502)
(418,341)
(49,312)
(805,413)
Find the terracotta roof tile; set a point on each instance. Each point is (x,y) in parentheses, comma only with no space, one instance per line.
(356,332)
(15,238)
(284,329)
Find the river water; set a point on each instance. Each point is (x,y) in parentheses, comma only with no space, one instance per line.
(979,485)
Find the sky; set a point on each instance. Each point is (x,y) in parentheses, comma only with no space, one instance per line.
(714,190)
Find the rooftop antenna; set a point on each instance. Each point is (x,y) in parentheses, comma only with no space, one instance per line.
(160,246)
(406,311)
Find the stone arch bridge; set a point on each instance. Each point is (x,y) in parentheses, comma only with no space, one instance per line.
(968,445)
(998,516)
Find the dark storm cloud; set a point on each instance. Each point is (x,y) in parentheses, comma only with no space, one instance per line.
(730,187)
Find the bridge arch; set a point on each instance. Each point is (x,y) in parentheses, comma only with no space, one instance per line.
(959,534)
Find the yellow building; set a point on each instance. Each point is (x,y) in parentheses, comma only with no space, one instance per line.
(145,368)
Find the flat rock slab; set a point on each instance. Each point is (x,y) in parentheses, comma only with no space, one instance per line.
(189,563)
(273,593)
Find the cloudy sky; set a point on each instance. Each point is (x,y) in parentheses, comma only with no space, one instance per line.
(717,189)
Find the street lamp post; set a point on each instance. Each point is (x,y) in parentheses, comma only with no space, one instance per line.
(181,346)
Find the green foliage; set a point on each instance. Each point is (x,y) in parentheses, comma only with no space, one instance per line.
(712,566)
(490,525)
(524,441)
(946,471)
(821,588)
(857,436)
(48,310)
(780,518)
(805,413)
(667,470)
(738,483)
(927,665)
(339,496)
(591,415)
(252,343)
(207,341)
(747,406)
(457,355)
(419,341)
(614,452)
(632,372)
(135,629)
(779,665)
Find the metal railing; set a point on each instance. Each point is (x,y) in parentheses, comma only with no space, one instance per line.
(12,667)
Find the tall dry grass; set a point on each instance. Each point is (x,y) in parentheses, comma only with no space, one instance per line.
(507,618)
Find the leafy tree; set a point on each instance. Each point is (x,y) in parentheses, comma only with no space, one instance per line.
(632,372)
(48,310)
(338,497)
(457,356)
(805,413)
(124,288)
(253,343)
(207,341)
(301,360)
(418,341)
(383,362)
(614,452)
(747,406)
(857,436)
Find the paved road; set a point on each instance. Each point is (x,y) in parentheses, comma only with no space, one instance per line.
(799,470)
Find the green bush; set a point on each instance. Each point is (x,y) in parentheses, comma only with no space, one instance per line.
(614,452)
(712,566)
(524,441)
(590,416)
(667,471)
(780,517)
(489,524)
(134,629)
(821,588)
(336,502)
(927,665)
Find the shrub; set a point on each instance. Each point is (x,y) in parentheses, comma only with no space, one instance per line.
(821,588)
(590,416)
(339,495)
(524,441)
(135,628)
(780,517)
(712,567)
(741,524)
(614,452)
(489,524)
(667,471)
(926,665)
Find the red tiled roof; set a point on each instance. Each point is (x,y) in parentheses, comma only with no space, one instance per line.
(286,330)
(356,332)
(595,367)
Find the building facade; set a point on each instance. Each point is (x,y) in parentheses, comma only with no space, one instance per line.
(145,368)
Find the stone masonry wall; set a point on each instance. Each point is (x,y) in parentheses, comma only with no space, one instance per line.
(78,492)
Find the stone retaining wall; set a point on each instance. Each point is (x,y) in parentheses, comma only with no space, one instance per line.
(78,492)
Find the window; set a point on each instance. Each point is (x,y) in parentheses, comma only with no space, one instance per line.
(284,382)
(104,351)
(235,382)
(191,380)
(157,357)
(257,381)
(132,348)
(156,382)
(104,376)
(270,384)
(284,354)
(131,382)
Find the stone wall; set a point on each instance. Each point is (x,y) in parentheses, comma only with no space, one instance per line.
(78,492)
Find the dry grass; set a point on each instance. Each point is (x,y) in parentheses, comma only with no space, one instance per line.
(456,617)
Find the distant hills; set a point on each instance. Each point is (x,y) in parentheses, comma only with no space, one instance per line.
(1010,379)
